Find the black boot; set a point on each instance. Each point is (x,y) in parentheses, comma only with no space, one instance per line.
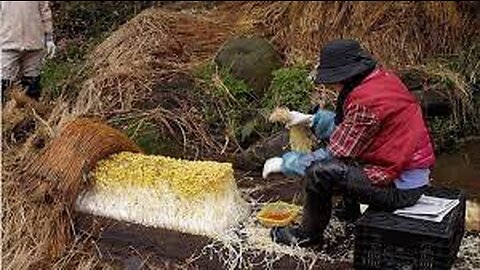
(32,87)
(5,85)
(317,208)
(316,214)
(347,210)
(296,236)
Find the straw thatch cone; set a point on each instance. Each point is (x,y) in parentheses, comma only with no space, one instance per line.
(54,179)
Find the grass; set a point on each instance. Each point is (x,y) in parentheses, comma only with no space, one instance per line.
(55,74)
(466,63)
(147,136)
(79,26)
(245,115)
(396,32)
(239,107)
(451,76)
(61,75)
(445,134)
(290,87)
(88,20)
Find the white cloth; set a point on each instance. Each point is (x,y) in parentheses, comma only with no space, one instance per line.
(298,118)
(51,49)
(272,165)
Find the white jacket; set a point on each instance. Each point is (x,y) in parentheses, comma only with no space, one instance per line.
(24,24)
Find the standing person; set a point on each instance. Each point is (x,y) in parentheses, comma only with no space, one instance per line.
(379,150)
(26,31)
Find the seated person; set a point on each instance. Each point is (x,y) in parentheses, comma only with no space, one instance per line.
(379,150)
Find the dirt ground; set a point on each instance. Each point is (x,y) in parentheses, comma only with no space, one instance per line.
(131,246)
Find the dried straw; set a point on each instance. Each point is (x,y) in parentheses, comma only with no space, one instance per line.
(19,108)
(155,47)
(398,32)
(148,48)
(53,180)
(250,246)
(127,67)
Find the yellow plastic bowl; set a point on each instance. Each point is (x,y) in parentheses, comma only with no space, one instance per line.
(278,214)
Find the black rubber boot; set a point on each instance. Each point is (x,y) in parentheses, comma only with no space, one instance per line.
(5,85)
(32,87)
(347,210)
(296,236)
(317,209)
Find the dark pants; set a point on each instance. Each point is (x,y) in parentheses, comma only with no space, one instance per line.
(5,85)
(325,179)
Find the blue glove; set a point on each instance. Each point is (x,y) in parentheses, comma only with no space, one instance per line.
(295,163)
(323,123)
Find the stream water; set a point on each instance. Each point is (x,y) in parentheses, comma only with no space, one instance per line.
(462,170)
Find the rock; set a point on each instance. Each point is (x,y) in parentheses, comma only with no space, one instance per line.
(250,59)
(432,102)
(254,157)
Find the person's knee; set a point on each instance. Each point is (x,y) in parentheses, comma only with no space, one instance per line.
(391,199)
(407,198)
(323,175)
(330,169)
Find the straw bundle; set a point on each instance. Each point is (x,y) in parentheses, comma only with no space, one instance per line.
(150,47)
(19,108)
(198,197)
(396,31)
(55,177)
(73,153)
(300,137)
(133,74)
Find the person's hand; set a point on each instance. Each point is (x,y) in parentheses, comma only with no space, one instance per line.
(323,123)
(272,165)
(298,118)
(51,48)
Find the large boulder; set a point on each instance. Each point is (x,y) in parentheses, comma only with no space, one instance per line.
(249,59)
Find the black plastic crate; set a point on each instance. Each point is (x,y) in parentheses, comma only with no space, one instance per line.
(387,241)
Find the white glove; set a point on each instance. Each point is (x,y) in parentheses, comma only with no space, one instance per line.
(298,118)
(51,48)
(272,165)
